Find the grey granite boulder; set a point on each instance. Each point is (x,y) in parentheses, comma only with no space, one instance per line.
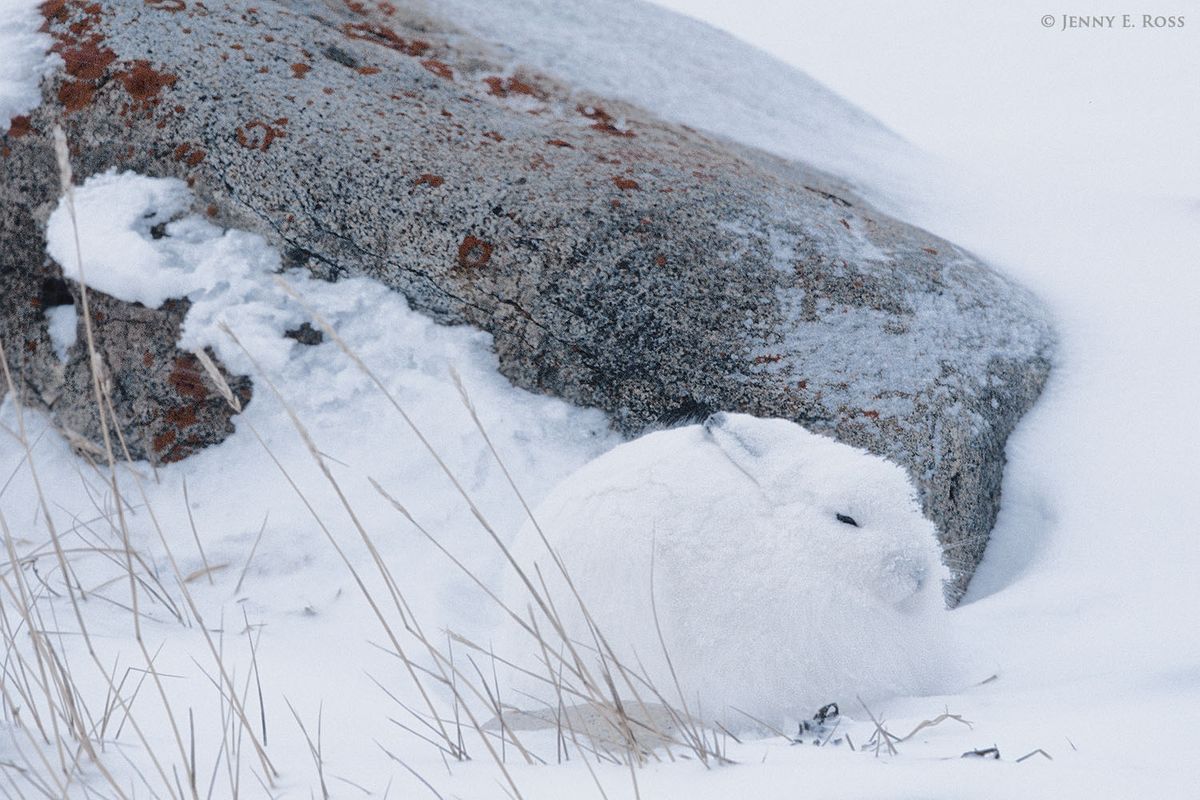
(619,261)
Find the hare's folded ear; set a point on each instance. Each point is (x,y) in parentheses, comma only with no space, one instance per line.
(736,436)
(757,447)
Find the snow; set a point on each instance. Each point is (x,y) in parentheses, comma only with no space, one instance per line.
(1068,162)
(115,215)
(138,243)
(24,59)
(63,323)
(985,85)
(233,280)
(768,604)
(268,556)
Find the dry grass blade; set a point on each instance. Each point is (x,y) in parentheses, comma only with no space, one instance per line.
(187,504)
(764,725)
(250,558)
(214,375)
(881,737)
(313,748)
(938,720)
(411,771)
(204,572)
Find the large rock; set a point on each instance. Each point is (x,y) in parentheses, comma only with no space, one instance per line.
(618,260)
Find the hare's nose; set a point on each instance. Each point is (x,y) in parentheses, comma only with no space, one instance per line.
(903,576)
(919,577)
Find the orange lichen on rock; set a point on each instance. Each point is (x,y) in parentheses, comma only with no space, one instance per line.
(75,95)
(300,69)
(385,36)
(625,184)
(53,11)
(429,179)
(144,82)
(603,121)
(19,127)
(183,416)
(186,378)
(368,70)
(86,60)
(503,87)
(439,68)
(258,135)
(164,440)
(189,154)
(474,253)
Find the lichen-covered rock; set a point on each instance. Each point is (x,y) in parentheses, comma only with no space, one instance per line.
(618,260)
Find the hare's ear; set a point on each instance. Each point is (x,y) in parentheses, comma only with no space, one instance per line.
(751,444)
(766,451)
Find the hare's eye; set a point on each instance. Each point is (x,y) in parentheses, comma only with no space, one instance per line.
(845,520)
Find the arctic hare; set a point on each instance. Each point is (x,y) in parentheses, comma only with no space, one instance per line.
(787,570)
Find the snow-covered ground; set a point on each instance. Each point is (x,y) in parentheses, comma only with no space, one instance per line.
(1069,162)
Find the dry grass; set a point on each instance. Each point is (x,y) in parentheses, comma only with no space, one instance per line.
(883,739)
(632,720)
(50,702)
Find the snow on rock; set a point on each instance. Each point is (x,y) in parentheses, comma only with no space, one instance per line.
(24,59)
(788,570)
(139,244)
(63,324)
(118,216)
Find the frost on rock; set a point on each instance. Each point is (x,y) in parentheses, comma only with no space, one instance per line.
(787,570)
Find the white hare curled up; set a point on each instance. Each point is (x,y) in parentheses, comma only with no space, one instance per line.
(787,570)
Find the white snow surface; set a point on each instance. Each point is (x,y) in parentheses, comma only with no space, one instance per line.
(23,59)
(727,534)
(1079,626)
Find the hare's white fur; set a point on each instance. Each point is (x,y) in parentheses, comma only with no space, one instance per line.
(767,602)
